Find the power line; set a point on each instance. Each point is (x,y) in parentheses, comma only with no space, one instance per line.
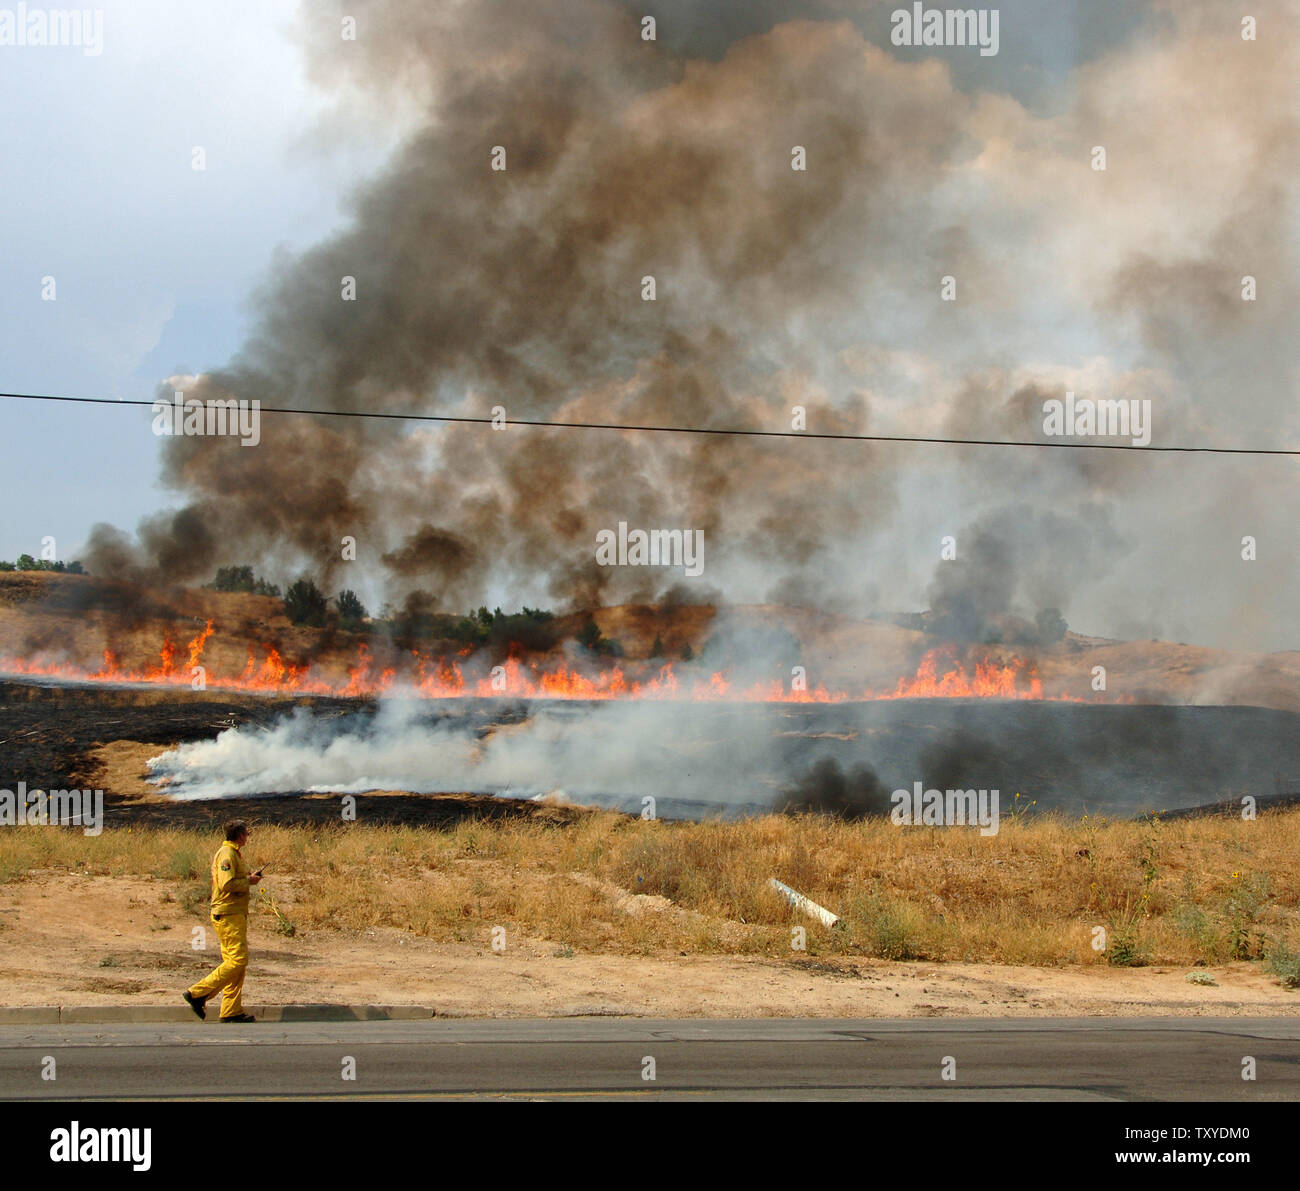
(725,431)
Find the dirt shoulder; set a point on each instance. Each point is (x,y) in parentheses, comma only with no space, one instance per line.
(67,939)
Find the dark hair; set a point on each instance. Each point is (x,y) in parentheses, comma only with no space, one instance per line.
(235,828)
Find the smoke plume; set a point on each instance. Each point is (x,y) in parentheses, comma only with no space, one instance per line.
(627,159)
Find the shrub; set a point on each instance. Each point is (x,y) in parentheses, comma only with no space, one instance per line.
(1285,965)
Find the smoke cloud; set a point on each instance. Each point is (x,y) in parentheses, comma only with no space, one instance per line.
(775,288)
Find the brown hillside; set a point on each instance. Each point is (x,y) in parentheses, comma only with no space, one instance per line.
(74,618)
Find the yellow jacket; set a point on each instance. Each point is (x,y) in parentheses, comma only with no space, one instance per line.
(229,881)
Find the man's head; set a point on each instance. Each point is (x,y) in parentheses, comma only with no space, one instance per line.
(237,832)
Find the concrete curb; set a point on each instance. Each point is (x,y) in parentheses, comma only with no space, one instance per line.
(30,1017)
(54,1015)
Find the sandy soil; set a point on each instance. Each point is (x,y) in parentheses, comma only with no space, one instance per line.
(67,939)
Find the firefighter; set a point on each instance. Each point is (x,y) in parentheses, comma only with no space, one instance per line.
(231,880)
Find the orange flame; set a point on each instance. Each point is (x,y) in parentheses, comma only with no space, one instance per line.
(940,675)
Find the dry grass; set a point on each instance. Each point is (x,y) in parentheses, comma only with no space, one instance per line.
(1208,890)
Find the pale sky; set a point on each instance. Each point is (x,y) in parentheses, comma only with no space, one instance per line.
(153,261)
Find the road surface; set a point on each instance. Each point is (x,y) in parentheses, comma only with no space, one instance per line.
(1152,1059)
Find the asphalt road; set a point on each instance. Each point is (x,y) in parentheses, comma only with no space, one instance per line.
(1168,1059)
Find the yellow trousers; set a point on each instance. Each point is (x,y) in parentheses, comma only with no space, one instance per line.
(228,977)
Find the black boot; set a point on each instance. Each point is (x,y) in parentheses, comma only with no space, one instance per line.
(197,1006)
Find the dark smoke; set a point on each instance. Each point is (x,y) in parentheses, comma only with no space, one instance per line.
(997,591)
(777,288)
(961,759)
(828,790)
(523,288)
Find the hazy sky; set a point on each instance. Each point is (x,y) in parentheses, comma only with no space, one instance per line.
(154,263)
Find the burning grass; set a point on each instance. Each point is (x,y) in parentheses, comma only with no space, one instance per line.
(941,674)
(1191,891)
(244,643)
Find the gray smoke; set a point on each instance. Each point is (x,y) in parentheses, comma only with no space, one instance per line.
(777,288)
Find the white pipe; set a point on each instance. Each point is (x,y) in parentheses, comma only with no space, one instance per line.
(802,903)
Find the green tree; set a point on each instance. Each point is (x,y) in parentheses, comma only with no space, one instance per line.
(530,629)
(233,579)
(589,635)
(304,603)
(351,610)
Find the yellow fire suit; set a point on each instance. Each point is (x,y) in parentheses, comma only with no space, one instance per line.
(230,891)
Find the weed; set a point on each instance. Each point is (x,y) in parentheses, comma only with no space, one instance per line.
(282,924)
(1149,850)
(1020,807)
(1284,963)
(1124,946)
(1193,922)
(182,864)
(1242,904)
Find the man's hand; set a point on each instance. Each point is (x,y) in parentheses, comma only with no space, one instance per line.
(253,878)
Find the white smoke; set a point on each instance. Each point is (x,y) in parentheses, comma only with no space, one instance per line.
(697,760)
(611,754)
